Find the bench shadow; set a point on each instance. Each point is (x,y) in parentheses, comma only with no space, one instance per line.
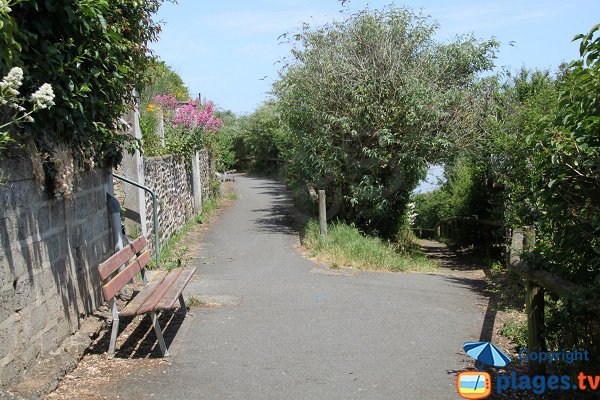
(137,339)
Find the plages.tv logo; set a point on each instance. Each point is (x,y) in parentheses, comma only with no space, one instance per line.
(478,384)
(474,384)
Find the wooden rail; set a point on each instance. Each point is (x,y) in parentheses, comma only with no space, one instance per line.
(448,227)
(537,282)
(274,159)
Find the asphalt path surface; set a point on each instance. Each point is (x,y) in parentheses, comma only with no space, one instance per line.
(291,329)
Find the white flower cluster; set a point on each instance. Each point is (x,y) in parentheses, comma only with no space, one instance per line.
(4,8)
(10,98)
(12,82)
(43,97)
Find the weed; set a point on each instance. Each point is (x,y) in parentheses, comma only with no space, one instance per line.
(208,208)
(516,330)
(195,301)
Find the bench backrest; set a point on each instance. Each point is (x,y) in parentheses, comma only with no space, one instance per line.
(108,267)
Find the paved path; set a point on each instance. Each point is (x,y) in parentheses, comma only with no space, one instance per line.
(288,330)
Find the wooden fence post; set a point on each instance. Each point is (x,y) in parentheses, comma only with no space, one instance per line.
(535,326)
(322,213)
(536,338)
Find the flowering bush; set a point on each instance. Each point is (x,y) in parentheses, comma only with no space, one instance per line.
(192,115)
(12,111)
(167,102)
(185,125)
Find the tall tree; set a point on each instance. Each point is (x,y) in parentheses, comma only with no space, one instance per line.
(367,99)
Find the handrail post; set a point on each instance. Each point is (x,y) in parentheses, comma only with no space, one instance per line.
(154,212)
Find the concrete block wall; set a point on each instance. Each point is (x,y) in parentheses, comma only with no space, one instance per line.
(48,263)
(171,180)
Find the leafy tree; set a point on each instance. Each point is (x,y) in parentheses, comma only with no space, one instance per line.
(265,137)
(225,141)
(161,79)
(368,101)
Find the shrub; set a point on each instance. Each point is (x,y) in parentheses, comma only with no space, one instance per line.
(365,100)
(92,53)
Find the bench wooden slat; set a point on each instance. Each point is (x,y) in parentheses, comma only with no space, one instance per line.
(116,260)
(169,300)
(138,244)
(160,291)
(122,278)
(133,306)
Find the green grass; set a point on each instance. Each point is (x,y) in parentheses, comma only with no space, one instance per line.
(209,207)
(231,196)
(345,245)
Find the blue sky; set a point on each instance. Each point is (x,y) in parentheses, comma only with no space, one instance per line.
(226,50)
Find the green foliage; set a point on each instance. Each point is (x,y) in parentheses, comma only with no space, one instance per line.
(264,138)
(515,330)
(209,207)
(366,101)
(195,301)
(223,143)
(468,191)
(91,52)
(431,207)
(183,141)
(537,144)
(162,79)
(565,171)
(345,245)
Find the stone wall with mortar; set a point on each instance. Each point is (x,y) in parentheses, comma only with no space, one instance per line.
(48,265)
(171,180)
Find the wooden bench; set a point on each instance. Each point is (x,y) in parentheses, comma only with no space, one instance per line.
(163,292)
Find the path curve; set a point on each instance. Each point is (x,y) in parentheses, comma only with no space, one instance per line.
(286,332)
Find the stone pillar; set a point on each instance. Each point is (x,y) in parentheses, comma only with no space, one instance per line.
(197,183)
(133,168)
(160,131)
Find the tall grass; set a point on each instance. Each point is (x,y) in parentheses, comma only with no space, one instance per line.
(345,245)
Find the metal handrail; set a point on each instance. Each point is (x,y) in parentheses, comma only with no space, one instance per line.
(154,211)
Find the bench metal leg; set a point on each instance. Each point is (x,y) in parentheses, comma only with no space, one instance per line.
(159,335)
(115,327)
(182,304)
